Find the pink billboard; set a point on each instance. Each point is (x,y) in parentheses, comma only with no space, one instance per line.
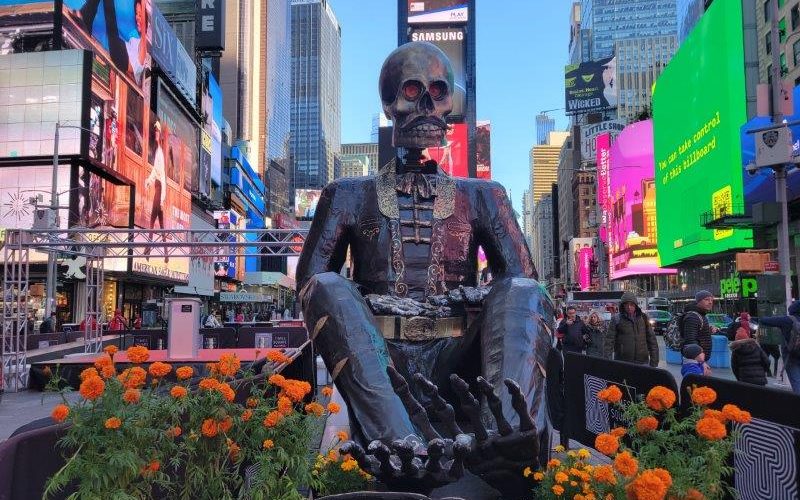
(631,229)
(603,148)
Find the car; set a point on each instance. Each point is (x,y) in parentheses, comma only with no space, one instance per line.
(721,321)
(633,238)
(659,320)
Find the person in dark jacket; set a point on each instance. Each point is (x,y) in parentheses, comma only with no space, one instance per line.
(696,329)
(749,363)
(630,336)
(791,362)
(570,332)
(594,334)
(49,324)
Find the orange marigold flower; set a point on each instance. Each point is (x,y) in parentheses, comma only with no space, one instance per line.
(89,372)
(247,415)
(327,391)
(229,364)
(619,431)
(252,402)
(285,405)
(734,414)
(660,398)
(113,423)
(154,466)
(178,392)
(226,424)
(92,388)
(131,396)
(268,443)
(315,409)
(716,414)
(209,384)
(611,394)
(227,392)
(213,369)
(341,435)
(277,357)
(560,477)
(295,390)
(553,463)
(111,350)
(233,450)
(646,424)
(60,413)
(103,360)
(138,354)
(625,464)
(710,429)
(703,396)
(108,371)
(159,369)
(607,444)
(277,380)
(184,372)
(558,490)
(647,486)
(664,475)
(604,474)
(693,494)
(333,407)
(133,378)
(174,431)
(272,419)
(209,428)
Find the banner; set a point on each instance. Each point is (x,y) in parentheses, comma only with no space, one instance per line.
(172,57)
(590,86)
(603,149)
(453,156)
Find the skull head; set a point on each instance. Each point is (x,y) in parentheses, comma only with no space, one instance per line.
(416,86)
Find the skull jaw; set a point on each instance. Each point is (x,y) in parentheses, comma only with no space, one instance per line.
(418,137)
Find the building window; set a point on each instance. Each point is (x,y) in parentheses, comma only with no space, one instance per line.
(768,42)
(795,15)
(766,10)
(796,51)
(784,67)
(782,30)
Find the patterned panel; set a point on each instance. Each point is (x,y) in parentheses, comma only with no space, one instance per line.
(765,461)
(597,420)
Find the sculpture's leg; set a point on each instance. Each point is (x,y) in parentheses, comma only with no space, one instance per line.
(515,342)
(345,334)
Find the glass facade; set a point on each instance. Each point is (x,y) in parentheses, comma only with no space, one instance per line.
(614,20)
(279,93)
(316,94)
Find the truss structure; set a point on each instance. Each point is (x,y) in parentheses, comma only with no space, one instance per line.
(97,245)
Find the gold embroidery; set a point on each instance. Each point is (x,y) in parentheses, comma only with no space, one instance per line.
(445,204)
(387,195)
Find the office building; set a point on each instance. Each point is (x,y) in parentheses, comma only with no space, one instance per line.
(379,120)
(316,94)
(544,125)
(278,93)
(542,248)
(569,160)
(789,23)
(544,164)
(353,165)
(527,218)
(639,63)
(368,149)
(689,12)
(610,21)
(180,14)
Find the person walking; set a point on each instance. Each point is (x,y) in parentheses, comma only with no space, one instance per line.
(49,324)
(696,329)
(630,336)
(789,326)
(570,332)
(594,334)
(748,362)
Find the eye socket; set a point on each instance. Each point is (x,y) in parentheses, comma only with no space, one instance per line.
(437,90)
(412,89)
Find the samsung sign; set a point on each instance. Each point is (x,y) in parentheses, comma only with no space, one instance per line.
(210,26)
(172,58)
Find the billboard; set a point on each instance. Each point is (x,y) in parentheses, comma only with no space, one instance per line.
(172,57)
(603,148)
(590,86)
(38,89)
(589,134)
(483,149)
(697,138)
(582,254)
(632,226)
(212,109)
(210,26)
(305,202)
(180,135)
(437,11)
(453,156)
(453,42)
(226,266)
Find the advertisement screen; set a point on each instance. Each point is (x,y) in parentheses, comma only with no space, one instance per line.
(180,136)
(590,86)
(632,226)
(453,42)
(212,109)
(452,157)
(483,149)
(603,148)
(36,91)
(437,11)
(226,266)
(698,153)
(305,203)
(582,254)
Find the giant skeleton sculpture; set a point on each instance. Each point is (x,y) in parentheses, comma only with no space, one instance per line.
(413,311)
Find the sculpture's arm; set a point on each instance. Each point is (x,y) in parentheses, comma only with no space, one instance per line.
(500,236)
(325,247)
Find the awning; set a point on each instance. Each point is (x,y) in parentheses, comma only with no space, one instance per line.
(269,278)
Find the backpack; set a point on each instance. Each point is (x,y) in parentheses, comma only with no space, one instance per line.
(673,336)
(793,345)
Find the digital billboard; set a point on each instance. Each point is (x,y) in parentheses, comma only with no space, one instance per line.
(483,149)
(603,149)
(590,86)
(582,254)
(38,89)
(632,225)
(305,203)
(453,156)
(437,11)
(452,41)
(698,108)
(226,266)
(212,109)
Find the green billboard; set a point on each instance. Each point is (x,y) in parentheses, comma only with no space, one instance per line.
(699,105)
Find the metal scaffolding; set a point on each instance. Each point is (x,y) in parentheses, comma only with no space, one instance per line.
(97,245)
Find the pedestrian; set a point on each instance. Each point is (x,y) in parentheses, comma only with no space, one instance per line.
(570,332)
(82,326)
(695,327)
(212,321)
(594,334)
(49,324)
(239,318)
(630,336)
(693,360)
(118,322)
(790,327)
(749,363)
(137,322)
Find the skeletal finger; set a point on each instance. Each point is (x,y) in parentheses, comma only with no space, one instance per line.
(356,451)
(461,449)
(384,456)
(416,412)
(470,406)
(435,453)
(520,406)
(405,452)
(496,406)
(443,409)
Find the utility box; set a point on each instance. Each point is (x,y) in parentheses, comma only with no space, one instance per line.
(183,332)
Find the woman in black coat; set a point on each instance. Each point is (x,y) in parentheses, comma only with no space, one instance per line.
(749,362)
(594,334)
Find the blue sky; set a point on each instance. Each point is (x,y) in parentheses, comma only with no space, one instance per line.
(521,52)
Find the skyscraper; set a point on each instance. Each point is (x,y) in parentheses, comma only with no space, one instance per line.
(611,20)
(544,164)
(689,12)
(543,237)
(368,149)
(639,62)
(544,125)
(316,94)
(278,88)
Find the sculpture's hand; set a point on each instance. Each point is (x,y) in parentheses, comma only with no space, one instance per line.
(401,306)
(463,295)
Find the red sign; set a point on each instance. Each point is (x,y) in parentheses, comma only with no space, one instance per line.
(772,267)
(452,157)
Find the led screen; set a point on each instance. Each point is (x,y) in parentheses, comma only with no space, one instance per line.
(483,150)
(305,202)
(452,157)
(453,42)
(698,107)
(437,11)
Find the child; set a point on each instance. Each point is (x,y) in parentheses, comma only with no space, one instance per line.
(748,361)
(693,360)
